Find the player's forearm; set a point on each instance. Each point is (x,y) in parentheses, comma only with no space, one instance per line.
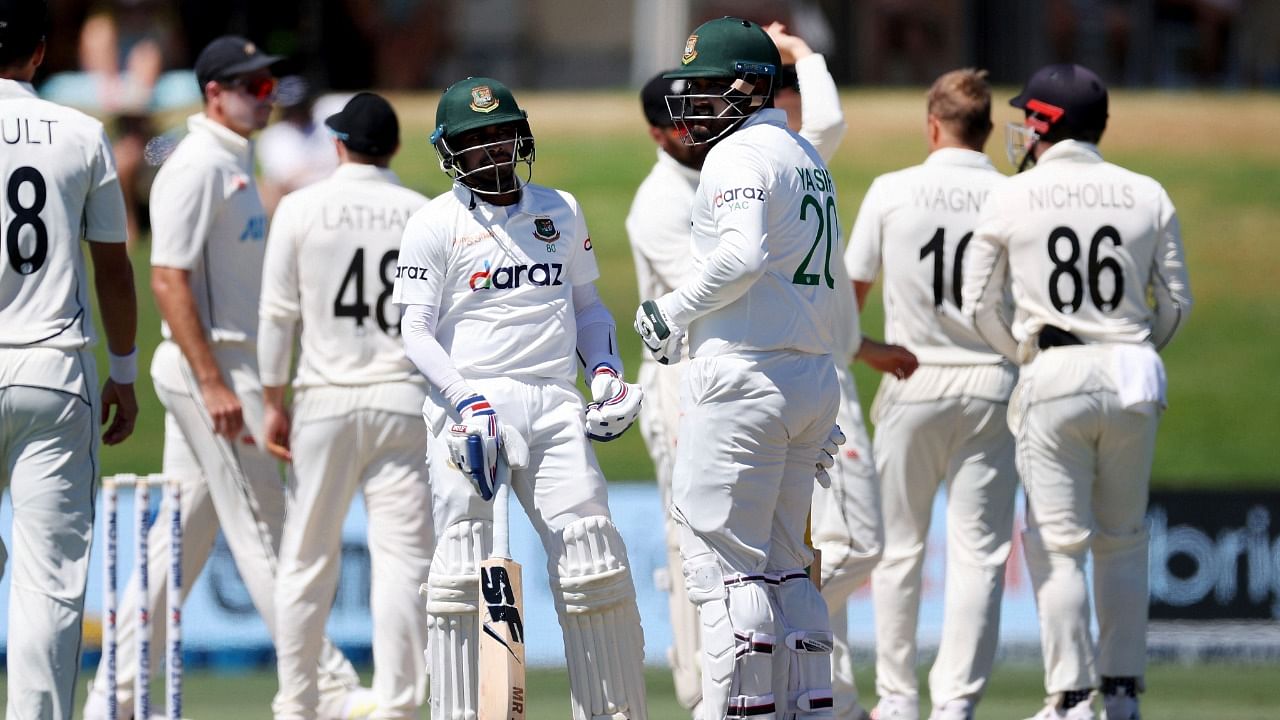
(417,329)
(982,292)
(597,331)
(177,305)
(726,275)
(823,121)
(275,345)
(117,297)
(273,396)
(1171,289)
(860,291)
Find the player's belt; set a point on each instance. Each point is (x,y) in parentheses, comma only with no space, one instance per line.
(1052,336)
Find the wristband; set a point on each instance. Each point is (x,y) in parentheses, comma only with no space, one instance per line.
(124,368)
(605,368)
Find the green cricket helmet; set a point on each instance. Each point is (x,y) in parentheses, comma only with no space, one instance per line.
(483,160)
(730,65)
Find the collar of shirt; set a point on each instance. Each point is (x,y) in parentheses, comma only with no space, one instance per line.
(959,156)
(1072,150)
(685,171)
(225,136)
(364,171)
(16,89)
(767,116)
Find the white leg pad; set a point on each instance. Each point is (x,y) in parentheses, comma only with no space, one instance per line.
(809,643)
(603,641)
(738,641)
(453,630)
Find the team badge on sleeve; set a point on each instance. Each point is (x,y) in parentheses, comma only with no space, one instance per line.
(544,229)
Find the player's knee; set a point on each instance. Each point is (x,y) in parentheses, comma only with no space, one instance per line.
(1063,538)
(592,569)
(1114,543)
(453,587)
(809,642)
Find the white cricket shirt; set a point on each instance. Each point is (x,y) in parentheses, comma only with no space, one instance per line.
(207,217)
(1083,243)
(502,278)
(916,224)
(331,264)
(766,247)
(58,185)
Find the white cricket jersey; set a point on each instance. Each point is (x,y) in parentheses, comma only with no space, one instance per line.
(502,278)
(916,225)
(331,263)
(58,185)
(765,218)
(658,226)
(1086,241)
(207,217)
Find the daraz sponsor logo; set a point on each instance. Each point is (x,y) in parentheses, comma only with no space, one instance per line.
(507,278)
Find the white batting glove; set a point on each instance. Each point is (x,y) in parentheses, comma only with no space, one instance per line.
(660,335)
(475,441)
(827,455)
(614,405)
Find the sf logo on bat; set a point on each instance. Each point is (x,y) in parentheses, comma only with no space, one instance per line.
(501,601)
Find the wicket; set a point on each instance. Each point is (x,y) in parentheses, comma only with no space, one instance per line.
(142,526)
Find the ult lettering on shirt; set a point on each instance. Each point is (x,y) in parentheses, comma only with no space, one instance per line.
(26,131)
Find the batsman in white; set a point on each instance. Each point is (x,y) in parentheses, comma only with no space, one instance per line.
(945,424)
(1092,254)
(760,396)
(497,279)
(208,242)
(330,265)
(846,516)
(59,187)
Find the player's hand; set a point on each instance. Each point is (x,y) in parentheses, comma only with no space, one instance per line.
(277,427)
(224,409)
(889,359)
(790,47)
(661,336)
(475,441)
(614,405)
(827,455)
(121,397)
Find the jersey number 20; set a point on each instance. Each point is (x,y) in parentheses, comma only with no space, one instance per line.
(826,221)
(26,215)
(358,308)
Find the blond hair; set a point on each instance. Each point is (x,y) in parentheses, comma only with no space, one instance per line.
(961,101)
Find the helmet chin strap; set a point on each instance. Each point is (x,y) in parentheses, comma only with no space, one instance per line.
(1029,159)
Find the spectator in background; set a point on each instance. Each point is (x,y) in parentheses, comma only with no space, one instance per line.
(296,150)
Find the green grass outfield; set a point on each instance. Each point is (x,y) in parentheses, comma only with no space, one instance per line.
(1217,692)
(1216,154)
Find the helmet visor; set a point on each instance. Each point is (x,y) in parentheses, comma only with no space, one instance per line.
(488,167)
(711,108)
(1019,139)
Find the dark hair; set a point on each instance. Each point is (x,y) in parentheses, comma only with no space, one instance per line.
(961,100)
(25,24)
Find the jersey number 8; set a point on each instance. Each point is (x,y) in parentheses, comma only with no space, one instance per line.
(358,308)
(23,216)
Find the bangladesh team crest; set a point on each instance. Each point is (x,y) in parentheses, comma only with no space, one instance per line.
(690,50)
(544,229)
(482,99)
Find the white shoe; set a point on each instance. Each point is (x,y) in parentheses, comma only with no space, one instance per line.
(1079,711)
(356,704)
(896,707)
(1120,707)
(95,705)
(960,709)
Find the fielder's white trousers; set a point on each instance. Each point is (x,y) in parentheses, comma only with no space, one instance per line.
(238,487)
(48,449)
(341,445)
(1085,463)
(963,442)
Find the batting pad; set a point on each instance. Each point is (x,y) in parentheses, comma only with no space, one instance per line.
(453,619)
(802,674)
(603,642)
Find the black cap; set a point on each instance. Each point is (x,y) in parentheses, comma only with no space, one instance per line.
(22,25)
(367,124)
(229,56)
(653,98)
(1070,98)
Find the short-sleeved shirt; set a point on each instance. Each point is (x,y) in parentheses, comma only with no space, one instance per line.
(207,217)
(502,279)
(331,263)
(58,185)
(915,224)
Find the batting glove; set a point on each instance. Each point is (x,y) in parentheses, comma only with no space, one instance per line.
(827,455)
(475,441)
(614,405)
(660,335)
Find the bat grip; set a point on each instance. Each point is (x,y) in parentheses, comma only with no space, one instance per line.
(501,510)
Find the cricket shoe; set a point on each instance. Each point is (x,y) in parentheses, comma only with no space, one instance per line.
(356,704)
(960,709)
(897,707)
(1120,707)
(1079,711)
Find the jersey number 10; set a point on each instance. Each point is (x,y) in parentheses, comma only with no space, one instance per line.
(358,308)
(26,215)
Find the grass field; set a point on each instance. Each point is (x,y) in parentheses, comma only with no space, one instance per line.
(1218,692)
(1216,155)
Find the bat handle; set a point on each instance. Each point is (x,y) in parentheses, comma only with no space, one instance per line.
(501,510)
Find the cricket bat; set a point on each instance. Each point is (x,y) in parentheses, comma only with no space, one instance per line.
(815,568)
(501,665)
